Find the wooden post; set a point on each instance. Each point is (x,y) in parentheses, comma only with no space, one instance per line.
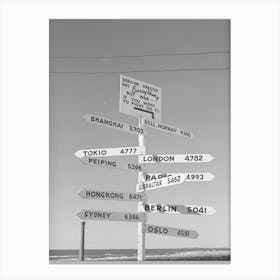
(141,225)
(82,245)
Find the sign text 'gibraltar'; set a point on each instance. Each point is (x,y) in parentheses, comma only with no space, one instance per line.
(179,178)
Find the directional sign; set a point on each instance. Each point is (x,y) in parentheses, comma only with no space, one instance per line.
(167,128)
(99,162)
(110,195)
(179,209)
(139,98)
(169,231)
(106,152)
(190,177)
(113,124)
(163,182)
(111,216)
(189,158)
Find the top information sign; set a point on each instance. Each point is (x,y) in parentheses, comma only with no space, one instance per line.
(139,98)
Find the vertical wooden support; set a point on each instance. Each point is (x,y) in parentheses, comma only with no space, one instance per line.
(141,225)
(82,245)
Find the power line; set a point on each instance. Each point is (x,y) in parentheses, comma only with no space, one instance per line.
(138,71)
(143,55)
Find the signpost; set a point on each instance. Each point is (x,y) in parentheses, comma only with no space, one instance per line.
(138,98)
(179,209)
(107,152)
(110,195)
(188,158)
(142,100)
(167,128)
(190,177)
(170,231)
(111,216)
(113,124)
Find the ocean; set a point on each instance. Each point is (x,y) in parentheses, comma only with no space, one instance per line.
(111,255)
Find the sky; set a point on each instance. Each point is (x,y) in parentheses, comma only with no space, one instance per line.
(196,100)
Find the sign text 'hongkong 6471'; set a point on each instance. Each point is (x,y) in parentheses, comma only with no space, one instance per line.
(110,195)
(138,98)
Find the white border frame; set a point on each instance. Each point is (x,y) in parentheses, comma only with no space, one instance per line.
(254,130)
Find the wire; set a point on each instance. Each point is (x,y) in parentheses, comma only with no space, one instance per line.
(138,71)
(143,55)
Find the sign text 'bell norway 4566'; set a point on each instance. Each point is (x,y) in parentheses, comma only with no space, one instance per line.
(160,183)
(107,152)
(179,209)
(167,128)
(170,231)
(100,162)
(111,216)
(190,177)
(110,195)
(189,158)
(113,124)
(138,98)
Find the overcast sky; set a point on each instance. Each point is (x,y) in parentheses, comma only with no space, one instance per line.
(198,100)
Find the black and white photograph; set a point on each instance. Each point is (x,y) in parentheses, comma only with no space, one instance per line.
(139,141)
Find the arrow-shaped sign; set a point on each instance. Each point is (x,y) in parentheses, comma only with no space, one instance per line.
(106,152)
(113,124)
(190,177)
(169,231)
(111,216)
(188,158)
(110,195)
(179,209)
(167,128)
(164,182)
(111,164)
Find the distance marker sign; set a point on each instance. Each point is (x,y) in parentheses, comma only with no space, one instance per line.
(113,124)
(167,128)
(160,183)
(181,158)
(106,152)
(110,195)
(111,216)
(179,209)
(99,162)
(169,231)
(190,177)
(138,98)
